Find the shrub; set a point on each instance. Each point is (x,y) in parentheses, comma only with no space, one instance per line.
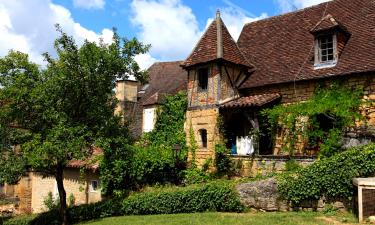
(22,220)
(330,177)
(95,211)
(196,176)
(210,197)
(50,202)
(153,164)
(223,161)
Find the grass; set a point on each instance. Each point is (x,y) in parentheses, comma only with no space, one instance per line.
(290,218)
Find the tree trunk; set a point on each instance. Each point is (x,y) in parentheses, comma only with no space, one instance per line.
(62,194)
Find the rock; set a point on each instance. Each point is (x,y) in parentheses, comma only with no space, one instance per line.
(372,219)
(262,195)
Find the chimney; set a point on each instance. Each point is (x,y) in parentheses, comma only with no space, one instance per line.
(126,92)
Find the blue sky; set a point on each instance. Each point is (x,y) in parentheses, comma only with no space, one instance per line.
(118,13)
(172,27)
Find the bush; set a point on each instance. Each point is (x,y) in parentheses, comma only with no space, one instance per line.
(152,165)
(97,210)
(330,177)
(210,197)
(196,176)
(22,220)
(75,214)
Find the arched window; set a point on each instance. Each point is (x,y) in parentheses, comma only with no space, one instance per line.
(203,134)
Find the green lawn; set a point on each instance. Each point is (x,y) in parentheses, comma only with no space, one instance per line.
(227,218)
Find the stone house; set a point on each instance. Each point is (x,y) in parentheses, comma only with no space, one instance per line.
(33,188)
(278,60)
(138,102)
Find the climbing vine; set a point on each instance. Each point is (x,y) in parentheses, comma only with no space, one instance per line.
(320,121)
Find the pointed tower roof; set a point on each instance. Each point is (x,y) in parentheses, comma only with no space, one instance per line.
(216,43)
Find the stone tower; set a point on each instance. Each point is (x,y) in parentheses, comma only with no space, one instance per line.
(216,68)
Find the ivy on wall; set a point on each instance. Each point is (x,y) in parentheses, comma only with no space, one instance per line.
(320,121)
(330,177)
(156,158)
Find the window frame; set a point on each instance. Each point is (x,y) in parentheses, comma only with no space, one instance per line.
(203,138)
(319,63)
(146,126)
(97,186)
(199,86)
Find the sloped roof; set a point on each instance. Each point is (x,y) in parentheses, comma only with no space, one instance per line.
(216,43)
(327,23)
(252,101)
(281,47)
(90,163)
(164,78)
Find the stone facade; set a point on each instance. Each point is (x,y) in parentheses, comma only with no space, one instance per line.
(75,184)
(33,189)
(263,196)
(199,119)
(304,90)
(204,112)
(252,166)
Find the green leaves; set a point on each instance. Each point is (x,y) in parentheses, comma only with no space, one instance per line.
(56,113)
(338,104)
(209,197)
(331,177)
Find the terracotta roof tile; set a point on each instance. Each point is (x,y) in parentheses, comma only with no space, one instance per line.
(251,101)
(90,163)
(207,49)
(281,47)
(165,78)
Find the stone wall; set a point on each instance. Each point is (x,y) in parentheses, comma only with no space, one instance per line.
(249,166)
(304,90)
(263,195)
(21,193)
(202,119)
(74,183)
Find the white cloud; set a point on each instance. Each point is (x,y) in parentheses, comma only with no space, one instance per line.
(145,60)
(172,29)
(168,25)
(235,18)
(291,5)
(33,31)
(89,4)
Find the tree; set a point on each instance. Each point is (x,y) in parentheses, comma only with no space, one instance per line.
(57,113)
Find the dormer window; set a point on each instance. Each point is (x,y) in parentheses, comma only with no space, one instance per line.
(325,51)
(330,40)
(203,79)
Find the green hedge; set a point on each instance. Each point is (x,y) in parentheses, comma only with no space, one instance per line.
(331,177)
(210,197)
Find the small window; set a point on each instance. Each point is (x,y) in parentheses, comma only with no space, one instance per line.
(203,134)
(325,51)
(94,186)
(203,79)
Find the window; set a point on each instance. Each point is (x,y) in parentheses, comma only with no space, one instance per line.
(149,119)
(94,186)
(325,51)
(203,79)
(203,134)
